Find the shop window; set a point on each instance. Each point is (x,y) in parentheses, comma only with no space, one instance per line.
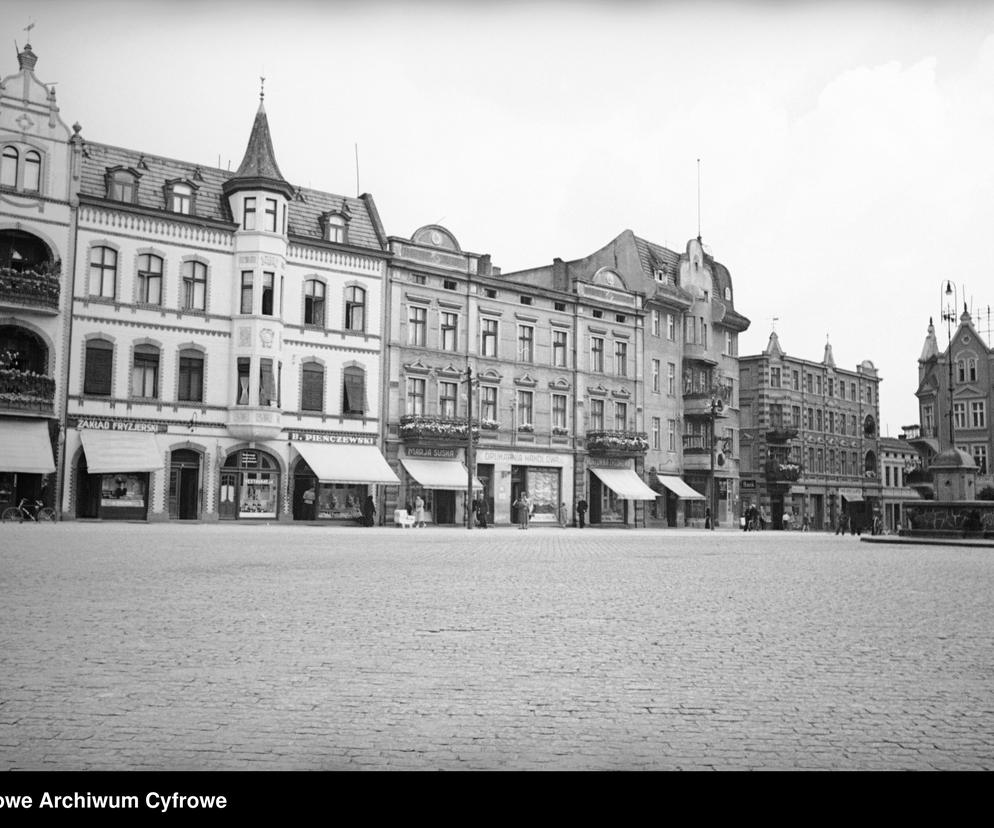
(98,368)
(312,387)
(249,484)
(149,279)
(145,372)
(194,286)
(314,303)
(191,376)
(103,272)
(353,391)
(355,310)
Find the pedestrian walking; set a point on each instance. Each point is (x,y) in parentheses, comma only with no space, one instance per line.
(309,497)
(368,511)
(707,518)
(581,511)
(521,506)
(805,523)
(481,512)
(786,521)
(419,512)
(563,515)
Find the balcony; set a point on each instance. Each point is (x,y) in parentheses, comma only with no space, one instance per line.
(781,433)
(250,422)
(617,442)
(698,353)
(418,427)
(696,443)
(26,391)
(780,471)
(37,289)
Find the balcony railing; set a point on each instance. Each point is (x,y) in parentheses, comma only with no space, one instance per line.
(32,288)
(783,471)
(780,433)
(617,442)
(699,353)
(696,443)
(434,427)
(26,391)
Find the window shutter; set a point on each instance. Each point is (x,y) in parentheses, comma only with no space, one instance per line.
(355,392)
(312,389)
(98,370)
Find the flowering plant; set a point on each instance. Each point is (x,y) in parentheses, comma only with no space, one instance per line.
(560,431)
(38,286)
(621,441)
(489,425)
(424,425)
(526,427)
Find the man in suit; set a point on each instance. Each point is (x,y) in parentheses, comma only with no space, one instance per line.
(581,511)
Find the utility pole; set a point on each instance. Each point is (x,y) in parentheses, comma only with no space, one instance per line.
(470,453)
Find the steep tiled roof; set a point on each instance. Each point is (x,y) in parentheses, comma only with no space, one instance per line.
(654,257)
(260,160)
(155,171)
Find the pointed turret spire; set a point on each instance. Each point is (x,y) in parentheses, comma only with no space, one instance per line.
(931,347)
(259,169)
(773,346)
(828,359)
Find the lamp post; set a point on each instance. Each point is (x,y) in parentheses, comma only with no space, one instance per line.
(716,408)
(949,316)
(470,453)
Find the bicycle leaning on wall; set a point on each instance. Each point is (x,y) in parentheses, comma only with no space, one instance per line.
(32,510)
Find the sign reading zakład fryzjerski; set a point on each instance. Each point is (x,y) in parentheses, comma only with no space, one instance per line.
(340,439)
(101,424)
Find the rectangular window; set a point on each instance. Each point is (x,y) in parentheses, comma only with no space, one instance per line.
(704,333)
(831,422)
(449,331)
(795,416)
(776,416)
(852,396)
(928,421)
(314,302)
(959,414)
(525,409)
(488,402)
(415,395)
(417,325)
(774,377)
(869,395)
(559,411)
(809,383)
(268,282)
(149,279)
(312,387)
(526,343)
(887,476)
(243,366)
(820,467)
(525,300)
(690,329)
(597,415)
(831,461)
(488,337)
(819,419)
(353,391)
(103,272)
(271,215)
(978,414)
(795,377)
(449,284)
(655,323)
(670,327)
(490,293)
(597,354)
(818,384)
(99,364)
(655,376)
(620,416)
(194,286)
(845,463)
(145,375)
(671,378)
(559,343)
(980,458)
(621,358)
(559,306)
(267,383)
(671,435)
(729,343)
(191,378)
(842,390)
(248,217)
(447,392)
(656,428)
(246,303)
(831,387)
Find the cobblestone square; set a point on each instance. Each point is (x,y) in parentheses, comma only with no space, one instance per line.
(255,647)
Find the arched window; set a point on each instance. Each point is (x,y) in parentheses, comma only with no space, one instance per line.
(972,366)
(314,302)
(355,309)
(98,370)
(194,286)
(870,466)
(103,272)
(191,376)
(32,171)
(353,391)
(961,370)
(8,167)
(869,426)
(312,387)
(145,372)
(149,279)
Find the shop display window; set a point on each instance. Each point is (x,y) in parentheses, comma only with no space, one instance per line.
(340,501)
(123,490)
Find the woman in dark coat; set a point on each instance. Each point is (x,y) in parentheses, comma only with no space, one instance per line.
(368,510)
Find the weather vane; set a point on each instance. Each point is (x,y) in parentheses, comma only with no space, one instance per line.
(775,320)
(262,87)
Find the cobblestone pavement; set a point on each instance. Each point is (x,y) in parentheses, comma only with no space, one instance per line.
(235,647)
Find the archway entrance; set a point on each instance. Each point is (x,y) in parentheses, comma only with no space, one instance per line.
(250,484)
(184,485)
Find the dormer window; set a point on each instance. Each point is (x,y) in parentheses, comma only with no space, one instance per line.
(335,225)
(179,198)
(122,185)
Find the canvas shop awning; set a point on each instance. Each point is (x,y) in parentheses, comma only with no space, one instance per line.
(440,474)
(678,487)
(25,447)
(625,483)
(347,464)
(111,452)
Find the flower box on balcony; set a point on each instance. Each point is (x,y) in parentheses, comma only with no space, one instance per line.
(559,431)
(777,470)
(489,425)
(424,426)
(38,287)
(528,427)
(620,442)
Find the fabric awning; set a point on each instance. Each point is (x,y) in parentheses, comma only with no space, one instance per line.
(440,474)
(108,452)
(848,499)
(625,483)
(678,487)
(25,447)
(347,464)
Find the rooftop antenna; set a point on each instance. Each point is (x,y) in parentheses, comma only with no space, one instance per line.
(262,87)
(698,199)
(774,323)
(357,190)
(28,29)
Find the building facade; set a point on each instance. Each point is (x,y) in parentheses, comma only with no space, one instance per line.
(810,438)
(39,172)
(898,460)
(955,396)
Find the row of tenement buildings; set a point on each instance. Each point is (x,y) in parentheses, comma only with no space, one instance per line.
(183,342)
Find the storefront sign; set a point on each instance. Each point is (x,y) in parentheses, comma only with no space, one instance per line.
(340,439)
(609,463)
(747,485)
(606,294)
(431,451)
(116,425)
(520,458)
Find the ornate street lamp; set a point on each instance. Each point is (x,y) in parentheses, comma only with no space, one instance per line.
(949,316)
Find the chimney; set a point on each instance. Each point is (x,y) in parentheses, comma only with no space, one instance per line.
(560,280)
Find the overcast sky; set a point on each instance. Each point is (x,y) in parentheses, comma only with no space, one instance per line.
(846,162)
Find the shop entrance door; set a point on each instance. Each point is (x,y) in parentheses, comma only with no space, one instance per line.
(596,493)
(671,509)
(444,507)
(776,510)
(227,505)
(184,485)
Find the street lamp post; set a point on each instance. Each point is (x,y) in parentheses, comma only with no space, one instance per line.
(949,316)
(716,409)
(470,452)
